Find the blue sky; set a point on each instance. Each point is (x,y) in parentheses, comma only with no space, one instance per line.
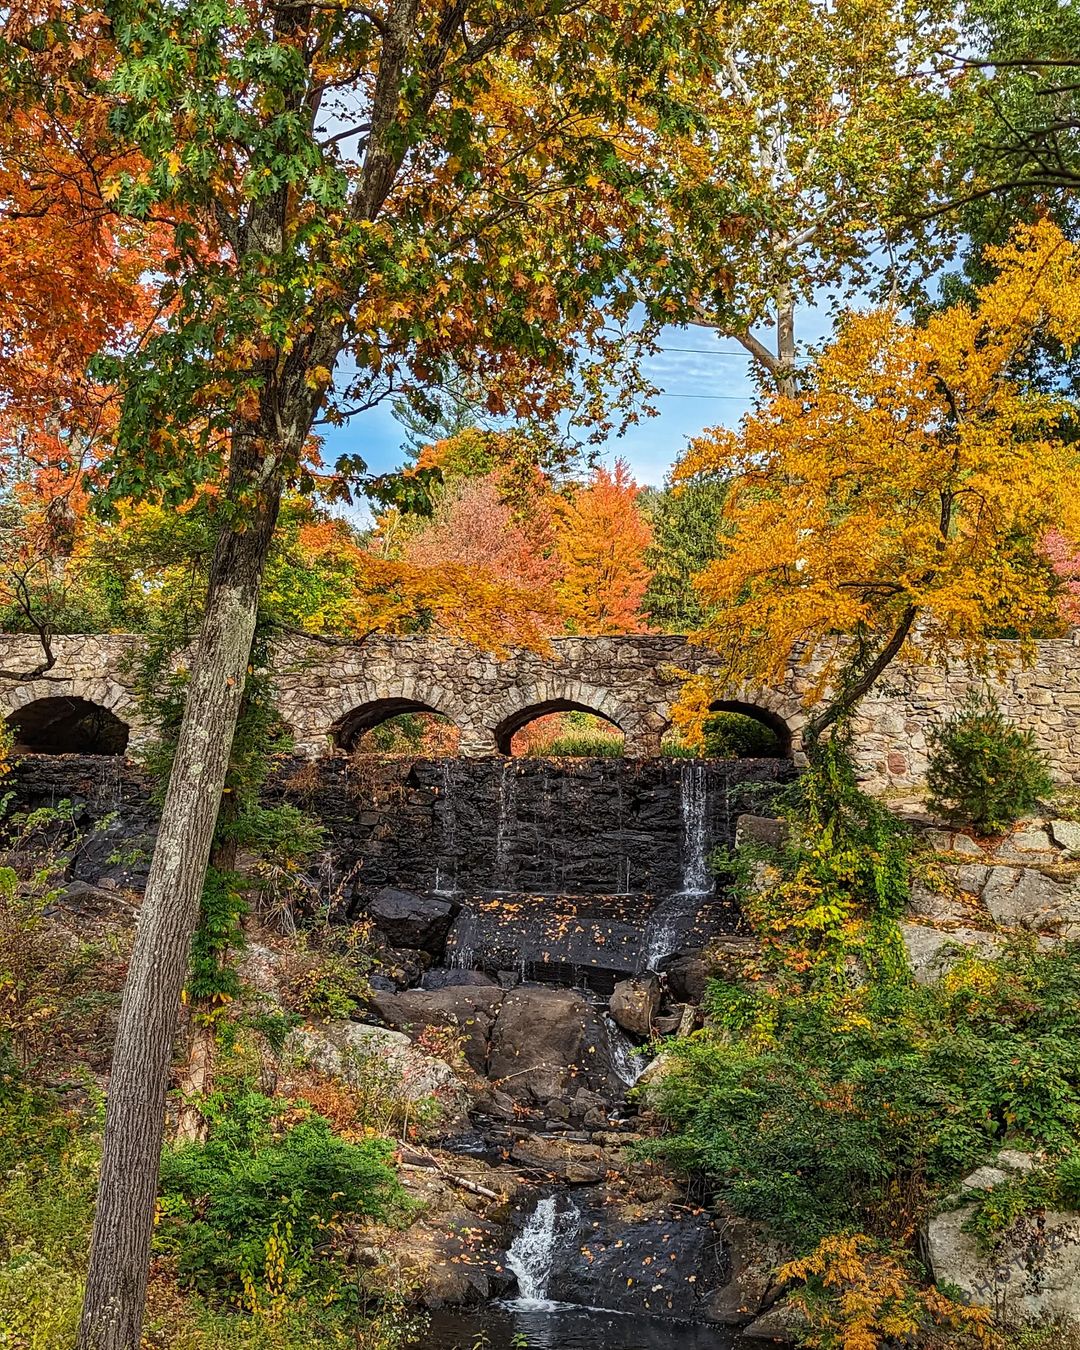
(705,379)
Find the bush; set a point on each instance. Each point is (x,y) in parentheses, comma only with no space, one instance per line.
(254,1211)
(732,735)
(984,771)
(819,1119)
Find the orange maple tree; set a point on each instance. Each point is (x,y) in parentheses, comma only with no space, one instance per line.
(601,539)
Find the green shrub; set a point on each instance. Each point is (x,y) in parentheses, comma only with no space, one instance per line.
(262,1199)
(733,735)
(817,1118)
(983,771)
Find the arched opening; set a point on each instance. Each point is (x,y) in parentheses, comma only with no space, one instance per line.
(737,730)
(68,726)
(396,727)
(559,727)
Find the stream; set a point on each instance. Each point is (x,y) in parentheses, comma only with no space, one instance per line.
(565,1326)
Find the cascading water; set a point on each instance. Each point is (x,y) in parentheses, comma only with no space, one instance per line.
(666,927)
(532,1253)
(625,1060)
(694,803)
(447,885)
(670,921)
(507,822)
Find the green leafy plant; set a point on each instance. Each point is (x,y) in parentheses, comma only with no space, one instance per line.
(983,771)
(264,1199)
(816,1116)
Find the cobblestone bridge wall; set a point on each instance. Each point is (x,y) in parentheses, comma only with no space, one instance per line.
(330,694)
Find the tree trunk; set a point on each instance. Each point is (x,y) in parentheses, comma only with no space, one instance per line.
(785,343)
(135,1118)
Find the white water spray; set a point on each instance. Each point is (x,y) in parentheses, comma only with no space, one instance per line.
(694,801)
(628,1065)
(532,1253)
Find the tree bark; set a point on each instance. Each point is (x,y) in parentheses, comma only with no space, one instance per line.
(785,343)
(135,1116)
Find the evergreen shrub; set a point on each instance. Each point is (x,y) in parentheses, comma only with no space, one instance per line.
(983,770)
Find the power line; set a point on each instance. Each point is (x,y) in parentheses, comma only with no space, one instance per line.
(731,398)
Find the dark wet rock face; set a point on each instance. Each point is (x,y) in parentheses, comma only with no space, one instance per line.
(585,827)
(653,1258)
(407,920)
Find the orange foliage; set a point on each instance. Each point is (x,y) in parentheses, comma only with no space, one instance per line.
(601,539)
(905,501)
(341,587)
(474,526)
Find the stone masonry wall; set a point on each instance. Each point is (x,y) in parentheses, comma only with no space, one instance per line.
(329,693)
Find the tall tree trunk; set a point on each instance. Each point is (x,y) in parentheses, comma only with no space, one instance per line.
(785,343)
(135,1117)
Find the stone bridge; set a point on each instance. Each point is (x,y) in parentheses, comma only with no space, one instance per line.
(330,694)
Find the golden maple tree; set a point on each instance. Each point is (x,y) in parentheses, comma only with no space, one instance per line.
(902,506)
(600,544)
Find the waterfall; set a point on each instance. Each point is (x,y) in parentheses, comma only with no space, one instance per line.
(667,926)
(532,1253)
(448,835)
(465,934)
(626,1062)
(507,821)
(693,804)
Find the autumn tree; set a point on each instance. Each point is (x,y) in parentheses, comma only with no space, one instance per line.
(402,184)
(904,506)
(72,282)
(832,138)
(601,540)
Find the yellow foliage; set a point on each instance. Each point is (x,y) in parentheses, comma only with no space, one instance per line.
(857,1295)
(902,506)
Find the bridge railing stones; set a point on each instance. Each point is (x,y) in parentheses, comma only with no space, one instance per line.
(327,692)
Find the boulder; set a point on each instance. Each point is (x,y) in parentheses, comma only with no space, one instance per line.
(938,906)
(1066,834)
(931,951)
(750,1288)
(687,975)
(457,979)
(653,1258)
(634,1004)
(468,1009)
(784,1324)
(414,921)
(1024,897)
(547,1043)
(343,1049)
(1033,1273)
(760,830)
(568,1160)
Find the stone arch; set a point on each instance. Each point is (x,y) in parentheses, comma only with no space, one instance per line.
(67,724)
(563,696)
(368,705)
(767,716)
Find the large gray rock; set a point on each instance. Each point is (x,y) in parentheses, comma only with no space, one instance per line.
(468,1010)
(1024,897)
(634,1004)
(548,1043)
(931,951)
(408,920)
(760,830)
(1032,1275)
(346,1050)
(1066,834)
